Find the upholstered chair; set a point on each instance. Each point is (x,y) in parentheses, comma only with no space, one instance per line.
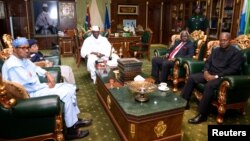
(142,47)
(25,118)
(178,72)
(234,90)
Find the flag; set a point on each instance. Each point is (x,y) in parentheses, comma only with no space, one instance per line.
(107,21)
(96,18)
(243,18)
(247,26)
(87,20)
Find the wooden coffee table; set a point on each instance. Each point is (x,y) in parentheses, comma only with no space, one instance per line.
(156,120)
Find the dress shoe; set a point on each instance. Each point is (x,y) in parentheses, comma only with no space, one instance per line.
(187,107)
(73,133)
(77,89)
(82,123)
(198,119)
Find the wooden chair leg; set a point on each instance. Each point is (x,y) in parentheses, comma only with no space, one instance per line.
(221,111)
(79,58)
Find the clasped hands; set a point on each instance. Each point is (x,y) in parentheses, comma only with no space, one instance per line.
(99,55)
(166,57)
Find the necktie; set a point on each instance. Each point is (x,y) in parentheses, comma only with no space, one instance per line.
(175,51)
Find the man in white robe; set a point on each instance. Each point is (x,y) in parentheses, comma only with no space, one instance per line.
(97,47)
(18,68)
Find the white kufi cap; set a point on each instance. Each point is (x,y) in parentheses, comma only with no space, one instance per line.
(95,28)
(45,5)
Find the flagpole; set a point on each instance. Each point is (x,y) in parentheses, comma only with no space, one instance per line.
(107,24)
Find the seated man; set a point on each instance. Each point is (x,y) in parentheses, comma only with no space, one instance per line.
(182,48)
(18,68)
(97,47)
(224,60)
(36,56)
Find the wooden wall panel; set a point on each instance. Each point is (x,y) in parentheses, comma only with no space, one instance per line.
(154,20)
(154,13)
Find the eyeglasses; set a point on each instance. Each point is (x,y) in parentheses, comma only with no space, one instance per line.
(24,48)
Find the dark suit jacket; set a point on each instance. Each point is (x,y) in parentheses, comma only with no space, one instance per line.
(187,51)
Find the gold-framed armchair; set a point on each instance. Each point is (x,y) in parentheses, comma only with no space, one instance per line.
(29,119)
(233,91)
(178,72)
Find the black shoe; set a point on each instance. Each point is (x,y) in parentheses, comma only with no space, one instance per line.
(77,89)
(157,82)
(187,107)
(198,119)
(74,133)
(82,123)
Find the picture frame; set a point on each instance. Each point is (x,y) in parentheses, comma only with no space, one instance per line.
(128,10)
(129,22)
(66,10)
(45,25)
(2,12)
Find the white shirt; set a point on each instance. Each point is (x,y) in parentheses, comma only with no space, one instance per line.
(100,45)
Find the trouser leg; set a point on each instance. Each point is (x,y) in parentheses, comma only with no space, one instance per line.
(207,96)
(165,70)
(193,79)
(68,74)
(156,63)
(91,66)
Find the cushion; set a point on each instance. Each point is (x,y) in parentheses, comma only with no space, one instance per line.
(15,90)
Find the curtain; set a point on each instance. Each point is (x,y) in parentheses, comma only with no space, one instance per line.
(97,12)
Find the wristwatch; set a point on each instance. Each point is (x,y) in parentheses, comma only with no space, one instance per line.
(216,76)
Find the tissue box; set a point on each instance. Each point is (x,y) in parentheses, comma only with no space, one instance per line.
(129,68)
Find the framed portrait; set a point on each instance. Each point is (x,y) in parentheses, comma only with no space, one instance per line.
(2,13)
(129,22)
(128,9)
(45,17)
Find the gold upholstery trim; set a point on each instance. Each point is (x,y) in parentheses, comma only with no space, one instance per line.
(243,41)
(210,46)
(176,75)
(5,53)
(15,90)
(197,35)
(5,100)
(59,128)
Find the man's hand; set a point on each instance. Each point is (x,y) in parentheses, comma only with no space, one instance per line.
(99,55)
(166,55)
(208,76)
(51,81)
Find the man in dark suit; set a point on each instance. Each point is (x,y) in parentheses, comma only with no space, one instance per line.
(182,48)
(224,60)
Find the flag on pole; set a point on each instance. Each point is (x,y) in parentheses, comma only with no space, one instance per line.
(243,18)
(96,18)
(247,26)
(87,20)
(107,21)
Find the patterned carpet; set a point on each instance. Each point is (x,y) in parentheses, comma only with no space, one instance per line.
(102,128)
